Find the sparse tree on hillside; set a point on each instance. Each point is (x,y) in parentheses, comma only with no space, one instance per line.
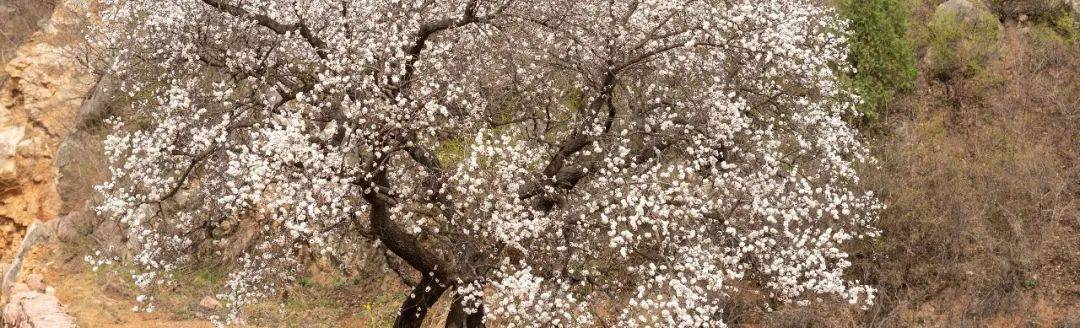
(527,158)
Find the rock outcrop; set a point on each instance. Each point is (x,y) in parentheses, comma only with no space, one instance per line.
(962,8)
(38,104)
(31,303)
(34,308)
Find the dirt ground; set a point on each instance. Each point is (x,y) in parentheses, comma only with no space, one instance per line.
(104,298)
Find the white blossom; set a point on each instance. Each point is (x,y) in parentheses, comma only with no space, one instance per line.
(532,157)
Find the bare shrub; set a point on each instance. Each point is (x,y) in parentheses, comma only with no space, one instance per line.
(1032,9)
(983,201)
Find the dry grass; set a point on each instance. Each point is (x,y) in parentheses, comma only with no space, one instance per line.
(984,213)
(1032,9)
(325,298)
(983,188)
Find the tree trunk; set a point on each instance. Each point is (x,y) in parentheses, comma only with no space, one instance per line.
(457,318)
(419,302)
(416,307)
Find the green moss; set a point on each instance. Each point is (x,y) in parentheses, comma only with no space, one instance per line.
(883,58)
(453,151)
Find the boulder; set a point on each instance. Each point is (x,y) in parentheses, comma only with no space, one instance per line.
(20,287)
(9,139)
(209,303)
(963,9)
(35,309)
(964,38)
(66,227)
(36,282)
(967,14)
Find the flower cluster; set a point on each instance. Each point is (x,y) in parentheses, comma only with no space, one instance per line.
(532,157)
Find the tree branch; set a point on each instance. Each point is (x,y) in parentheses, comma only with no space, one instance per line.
(419,303)
(273,25)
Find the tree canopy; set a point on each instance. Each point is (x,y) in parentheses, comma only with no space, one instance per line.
(527,158)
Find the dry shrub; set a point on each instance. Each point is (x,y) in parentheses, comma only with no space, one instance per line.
(822,314)
(984,202)
(1032,9)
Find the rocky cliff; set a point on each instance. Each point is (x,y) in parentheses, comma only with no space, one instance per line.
(39,101)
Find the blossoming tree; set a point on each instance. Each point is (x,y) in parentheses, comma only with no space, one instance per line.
(526,158)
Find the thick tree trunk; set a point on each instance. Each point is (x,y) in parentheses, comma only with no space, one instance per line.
(418,304)
(416,307)
(395,238)
(457,318)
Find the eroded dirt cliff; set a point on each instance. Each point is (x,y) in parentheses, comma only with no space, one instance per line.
(39,101)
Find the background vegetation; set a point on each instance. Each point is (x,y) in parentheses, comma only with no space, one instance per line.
(880,52)
(980,171)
